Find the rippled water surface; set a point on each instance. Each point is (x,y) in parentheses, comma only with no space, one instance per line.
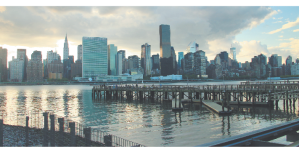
(148,123)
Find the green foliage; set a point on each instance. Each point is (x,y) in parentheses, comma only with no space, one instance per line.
(289,76)
(58,80)
(189,76)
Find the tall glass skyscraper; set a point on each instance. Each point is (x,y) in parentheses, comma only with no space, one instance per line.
(181,56)
(112,51)
(95,57)
(79,52)
(233,53)
(146,58)
(165,45)
(166,61)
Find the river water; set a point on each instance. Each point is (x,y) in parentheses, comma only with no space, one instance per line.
(147,123)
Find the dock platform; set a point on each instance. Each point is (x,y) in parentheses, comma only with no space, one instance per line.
(215,107)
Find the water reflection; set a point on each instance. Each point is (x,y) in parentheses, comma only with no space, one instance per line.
(151,123)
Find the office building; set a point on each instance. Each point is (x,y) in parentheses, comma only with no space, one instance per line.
(166,60)
(112,52)
(67,64)
(79,52)
(200,63)
(21,55)
(55,69)
(181,56)
(35,67)
(192,47)
(146,58)
(174,63)
(156,61)
(3,64)
(16,70)
(232,53)
(95,57)
(119,63)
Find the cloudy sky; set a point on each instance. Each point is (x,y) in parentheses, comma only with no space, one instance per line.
(252,30)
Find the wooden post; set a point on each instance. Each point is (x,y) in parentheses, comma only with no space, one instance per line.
(52,141)
(61,131)
(27,131)
(72,134)
(45,130)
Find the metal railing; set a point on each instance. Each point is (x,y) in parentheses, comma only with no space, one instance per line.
(64,133)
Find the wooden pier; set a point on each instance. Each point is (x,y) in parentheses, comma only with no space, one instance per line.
(246,93)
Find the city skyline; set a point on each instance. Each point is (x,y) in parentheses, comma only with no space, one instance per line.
(266,30)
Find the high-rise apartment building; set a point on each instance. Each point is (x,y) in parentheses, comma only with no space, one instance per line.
(76,69)
(21,55)
(232,53)
(79,52)
(16,70)
(146,58)
(35,67)
(275,60)
(65,48)
(166,60)
(112,51)
(55,69)
(288,65)
(3,64)
(95,57)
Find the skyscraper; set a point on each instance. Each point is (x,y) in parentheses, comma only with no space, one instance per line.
(192,47)
(119,63)
(123,53)
(181,56)
(3,64)
(21,55)
(146,58)
(232,53)
(35,67)
(65,48)
(79,52)
(200,63)
(95,57)
(174,63)
(156,61)
(112,51)
(166,60)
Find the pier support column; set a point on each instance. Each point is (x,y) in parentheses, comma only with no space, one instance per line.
(72,134)
(45,130)
(141,95)
(61,130)
(27,130)
(87,134)
(181,95)
(165,95)
(287,100)
(206,95)
(52,141)
(197,95)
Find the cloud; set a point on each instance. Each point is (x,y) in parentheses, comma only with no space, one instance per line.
(281,36)
(2,9)
(213,28)
(286,26)
(277,22)
(273,17)
(280,18)
(297,30)
(287,48)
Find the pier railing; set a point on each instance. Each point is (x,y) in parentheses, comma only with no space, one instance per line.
(260,86)
(66,132)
